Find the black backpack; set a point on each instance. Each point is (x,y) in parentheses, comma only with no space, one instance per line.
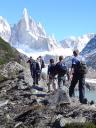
(60,68)
(82,68)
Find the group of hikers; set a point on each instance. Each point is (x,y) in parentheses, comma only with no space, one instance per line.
(36,68)
(60,71)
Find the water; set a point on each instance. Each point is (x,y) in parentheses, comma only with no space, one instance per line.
(90,95)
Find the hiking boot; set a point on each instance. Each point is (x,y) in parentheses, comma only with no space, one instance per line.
(84,101)
(37,83)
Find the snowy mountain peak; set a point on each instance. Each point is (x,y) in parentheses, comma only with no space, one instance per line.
(5,30)
(29,35)
(26,18)
(77,42)
(25,13)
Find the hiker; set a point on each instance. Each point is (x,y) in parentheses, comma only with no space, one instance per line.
(61,70)
(30,62)
(78,72)
(41,62)
(51,75)
(35,67)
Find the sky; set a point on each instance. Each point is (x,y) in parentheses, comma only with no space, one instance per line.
(63,18)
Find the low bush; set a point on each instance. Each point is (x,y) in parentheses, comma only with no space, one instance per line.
(80,125)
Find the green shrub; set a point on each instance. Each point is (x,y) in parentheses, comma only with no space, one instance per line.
(7,53)
(80,125)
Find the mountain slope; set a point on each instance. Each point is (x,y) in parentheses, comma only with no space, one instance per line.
(91,59)
(91,45)
(7,53)
(90,52)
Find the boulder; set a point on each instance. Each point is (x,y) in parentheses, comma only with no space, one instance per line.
(59,97)
(10,71)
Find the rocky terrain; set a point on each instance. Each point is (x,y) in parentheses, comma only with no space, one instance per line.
(25,106)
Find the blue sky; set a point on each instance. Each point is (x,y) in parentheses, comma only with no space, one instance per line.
(63,18)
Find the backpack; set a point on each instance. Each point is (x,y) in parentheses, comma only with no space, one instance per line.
(60,68)
(82,69)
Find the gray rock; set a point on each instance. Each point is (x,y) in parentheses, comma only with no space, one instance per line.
(3,103)
(10,70)
(58,97)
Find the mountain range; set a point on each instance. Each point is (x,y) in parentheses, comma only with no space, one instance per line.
(30,37)
(77,42)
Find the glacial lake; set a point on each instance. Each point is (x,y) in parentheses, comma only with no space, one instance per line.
(90,95)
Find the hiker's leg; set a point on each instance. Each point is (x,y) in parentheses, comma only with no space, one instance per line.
(37,79)
(34,79)
(64,80)
(54,84)
(72,86)
(81,88)
(60,82)
(49,83)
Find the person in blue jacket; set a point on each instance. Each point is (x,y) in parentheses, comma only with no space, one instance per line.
(77,76)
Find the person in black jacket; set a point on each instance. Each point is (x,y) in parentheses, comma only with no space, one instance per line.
(51,75)
(61,70)
(36,70)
